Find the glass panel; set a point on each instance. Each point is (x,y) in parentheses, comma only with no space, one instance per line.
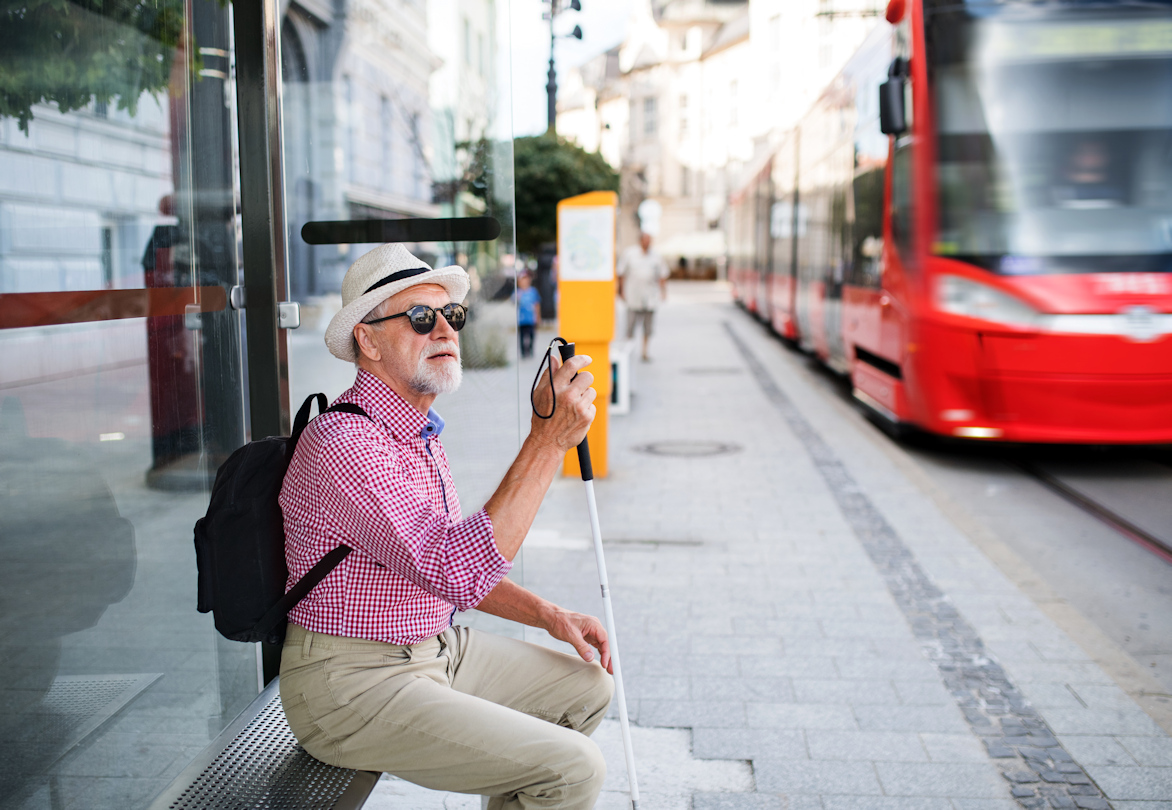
(410,120)
(120,393)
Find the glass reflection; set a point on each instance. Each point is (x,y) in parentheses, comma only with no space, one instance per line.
(120,392)
(410,119)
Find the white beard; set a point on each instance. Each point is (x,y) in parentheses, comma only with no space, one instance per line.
(442,378)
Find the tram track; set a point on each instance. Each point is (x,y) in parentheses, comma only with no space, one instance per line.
(1094,508)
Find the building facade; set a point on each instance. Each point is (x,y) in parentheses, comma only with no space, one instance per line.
(698,94)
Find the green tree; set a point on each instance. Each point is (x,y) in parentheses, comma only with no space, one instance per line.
(548,169)
(68,52)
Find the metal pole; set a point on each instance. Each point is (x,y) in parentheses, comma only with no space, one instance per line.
(551,85)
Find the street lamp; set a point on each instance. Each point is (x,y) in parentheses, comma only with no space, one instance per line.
(551,85)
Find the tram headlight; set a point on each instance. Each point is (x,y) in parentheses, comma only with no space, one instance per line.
(963,296)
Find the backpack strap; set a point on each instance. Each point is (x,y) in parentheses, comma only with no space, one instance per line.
(277,613)
(302,418)
(301,587)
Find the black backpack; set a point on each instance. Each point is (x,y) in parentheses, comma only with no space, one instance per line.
(240,542)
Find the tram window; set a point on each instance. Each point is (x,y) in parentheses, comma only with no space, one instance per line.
(868,229)
(901,199)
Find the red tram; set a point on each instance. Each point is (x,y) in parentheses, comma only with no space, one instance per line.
(974,221)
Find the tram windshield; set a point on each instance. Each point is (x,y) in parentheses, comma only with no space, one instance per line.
(1054,135)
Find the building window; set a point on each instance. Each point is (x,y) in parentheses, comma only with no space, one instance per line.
(386,139)
(351,129)
(420,169)
(467,42)
(650,117)
(683,115)
(685,181)
(480,53)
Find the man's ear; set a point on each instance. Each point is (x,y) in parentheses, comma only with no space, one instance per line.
(366,345)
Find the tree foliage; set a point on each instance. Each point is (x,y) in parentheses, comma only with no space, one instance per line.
(548,169)
(69,52)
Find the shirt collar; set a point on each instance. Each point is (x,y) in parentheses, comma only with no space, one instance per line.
(400,417)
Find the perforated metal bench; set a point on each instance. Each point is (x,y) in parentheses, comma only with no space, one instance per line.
(256,763)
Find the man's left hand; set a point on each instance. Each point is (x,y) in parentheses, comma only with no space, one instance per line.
(584,633)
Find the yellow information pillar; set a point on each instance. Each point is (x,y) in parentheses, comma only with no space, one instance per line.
(586,290)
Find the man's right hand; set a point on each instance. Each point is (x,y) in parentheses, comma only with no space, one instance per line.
(575,409)
(514,504)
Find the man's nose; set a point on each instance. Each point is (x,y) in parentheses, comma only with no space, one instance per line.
(443,330)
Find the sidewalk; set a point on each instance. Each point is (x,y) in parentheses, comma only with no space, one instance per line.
(801,627)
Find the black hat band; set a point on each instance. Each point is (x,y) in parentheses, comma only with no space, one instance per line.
(399,276)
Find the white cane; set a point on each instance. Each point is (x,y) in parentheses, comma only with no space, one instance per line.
(567,351)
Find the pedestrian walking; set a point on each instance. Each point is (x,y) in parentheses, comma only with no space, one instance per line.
(642,284)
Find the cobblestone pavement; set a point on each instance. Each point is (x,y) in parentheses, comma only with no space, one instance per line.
(800,626)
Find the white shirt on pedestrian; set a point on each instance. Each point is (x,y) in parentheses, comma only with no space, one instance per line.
(641,273)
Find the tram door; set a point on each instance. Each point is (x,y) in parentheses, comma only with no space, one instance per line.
(396,127)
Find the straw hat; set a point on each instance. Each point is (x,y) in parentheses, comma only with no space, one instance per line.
(386,270)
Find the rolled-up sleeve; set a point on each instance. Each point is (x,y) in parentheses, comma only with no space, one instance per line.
(382,510)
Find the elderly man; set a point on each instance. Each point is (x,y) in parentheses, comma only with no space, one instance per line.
(374,675)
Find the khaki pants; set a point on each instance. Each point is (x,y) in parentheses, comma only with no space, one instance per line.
(467,711)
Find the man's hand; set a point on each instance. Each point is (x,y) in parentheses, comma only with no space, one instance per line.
(575,403)
(585,633)
(582,632)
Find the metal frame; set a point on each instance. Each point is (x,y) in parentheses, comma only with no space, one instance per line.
(258,97)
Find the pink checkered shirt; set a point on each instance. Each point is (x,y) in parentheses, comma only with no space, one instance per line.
(380,487)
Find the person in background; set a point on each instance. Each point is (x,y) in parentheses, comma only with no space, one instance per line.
(528,312)
(642,284)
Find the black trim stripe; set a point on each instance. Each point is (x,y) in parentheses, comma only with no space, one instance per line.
(875,361)
(399,276)
(370,231)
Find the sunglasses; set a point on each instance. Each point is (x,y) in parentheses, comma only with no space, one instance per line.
(423,318)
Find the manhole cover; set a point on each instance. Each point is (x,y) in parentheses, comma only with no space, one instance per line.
(686,448)
(713,370)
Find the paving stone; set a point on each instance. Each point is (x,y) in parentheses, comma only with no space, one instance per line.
(1154,751)
(723,645)
(872,746)
(691,713)
(738,801)
(940,779)
(709,687)
(1138,783)
(953,748)
(764,666)
(804,716)
(853,692)
(1128,721)
(748,743)
(884,803)
(803,802)
(1097,749)
(816,777)
(923,693)
(910,718)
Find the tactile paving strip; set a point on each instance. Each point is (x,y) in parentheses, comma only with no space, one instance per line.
(264,768)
